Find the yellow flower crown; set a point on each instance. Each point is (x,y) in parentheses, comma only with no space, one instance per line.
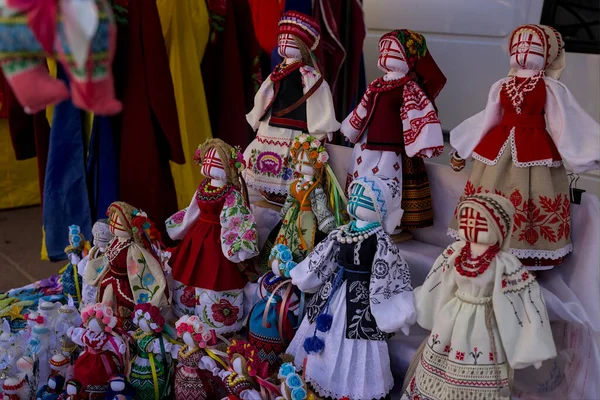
(312,147)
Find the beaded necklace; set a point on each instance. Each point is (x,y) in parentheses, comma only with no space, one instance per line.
(475,265)
(283,70)
(517,93)
(352,234)
(381,85)
(204,193)
(305,185)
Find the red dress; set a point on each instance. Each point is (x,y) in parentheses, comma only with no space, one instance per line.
(116,278)
(95,366)
(198,260)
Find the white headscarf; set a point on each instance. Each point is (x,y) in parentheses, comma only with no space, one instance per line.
(386,195)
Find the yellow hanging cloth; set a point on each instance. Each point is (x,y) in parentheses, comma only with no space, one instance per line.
(186,28)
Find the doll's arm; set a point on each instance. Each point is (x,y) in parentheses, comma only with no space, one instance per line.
(239,238)
(182,221)
(289,202)
(316,269)
(421,126)
(318,202)
(355,121)
(261,101)
(320,112)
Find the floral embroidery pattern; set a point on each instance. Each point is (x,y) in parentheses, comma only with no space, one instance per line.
(460,355)
(548,218)
(236,219)
(225,312)
(269,163)
(188,298)
(145,280)
(475,354)
(176,219)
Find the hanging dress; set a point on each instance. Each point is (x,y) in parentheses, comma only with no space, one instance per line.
(217,231)
(519,154)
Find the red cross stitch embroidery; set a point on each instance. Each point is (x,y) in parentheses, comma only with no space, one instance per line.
(472,224)
(286,43)
(460,355)
(114,224)
(524,45)
(389,49)
(211,162)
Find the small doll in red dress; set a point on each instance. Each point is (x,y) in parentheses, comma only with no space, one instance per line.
(530,126)
(16,388)
(104,350)
(217,233)
(396,126)
(131,272)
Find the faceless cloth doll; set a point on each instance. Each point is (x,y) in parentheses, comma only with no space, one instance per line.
(12,347)
(150,370)
(102,238)
(134,274)
(246,372)
(52,389)
(396,126)
(486,313)
(16,388)
(80,35)
(71,280)
(73,391)
(218,232)
(103,349)
(530,126)
(68,316)
(294,99)
(41,344)
(274,317)
(362,296)
(120,389)
(191,381)
(306,218)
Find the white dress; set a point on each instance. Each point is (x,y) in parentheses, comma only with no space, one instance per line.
(354,351)
(459,360)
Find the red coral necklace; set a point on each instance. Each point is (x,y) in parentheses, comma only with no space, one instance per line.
(476,265)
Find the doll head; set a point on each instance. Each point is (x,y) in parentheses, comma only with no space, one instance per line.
(73,387)
(128,222)
(119,216)
(98,318)
(56,383)
(25,365)
(59,364)
(102,233)
(16,387)
(486,219)
(147,317)
(400,50)
(297,35)
(117,383)
(309,155)
(49,310)
(193,332)
(68,314)
(245,360)
(281,261)
(74,250)
(537,48)
(220,161)
(376,198)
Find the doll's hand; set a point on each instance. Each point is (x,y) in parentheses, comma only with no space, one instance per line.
(208,364)
(224,374)
(405,329)
(538,365)
(70,331)
(456,162)
(175,351)
(330,137)
(122,348)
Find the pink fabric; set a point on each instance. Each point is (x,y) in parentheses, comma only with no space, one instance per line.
(35,89)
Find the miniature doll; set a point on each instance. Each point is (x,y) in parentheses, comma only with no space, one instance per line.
(246,372)
(84,42)
(362,295)
(102,238)
(41,345)
(16,388)
(53,389)
(401,99)
(274,317)
(218,231)
(294,99)
(12,347)
(530,126)
(68,316)
(120,389)
(305,216)
(486,313)
(73,391)
(71,280)
(134,274)
(191,381)
(103,349)
(150,372)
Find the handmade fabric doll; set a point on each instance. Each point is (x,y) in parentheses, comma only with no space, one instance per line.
(362,295)
(218,232)
(73,391)
(83,41)
(150,370)
(134,275)
(59,365)
(71,280)
(191,382)
(294,99)
(274,317)
(530,126)
(486,313)
(16,388)
(68,316)
(41,344)
(12,347)
(102,238)
(104,350)
(246,372)
(305,216)
(120,389)
(401,99)
(52,389)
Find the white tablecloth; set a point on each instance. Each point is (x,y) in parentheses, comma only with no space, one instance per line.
(571,291)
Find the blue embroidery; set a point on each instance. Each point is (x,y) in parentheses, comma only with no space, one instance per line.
(358,199)
(372,184)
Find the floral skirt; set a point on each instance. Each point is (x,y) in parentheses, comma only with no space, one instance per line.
(542,223)
(268,158)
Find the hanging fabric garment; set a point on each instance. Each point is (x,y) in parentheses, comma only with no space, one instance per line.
(102,168)
(231,70)
(149,131)
(265,16)
(186,28)
(65,193)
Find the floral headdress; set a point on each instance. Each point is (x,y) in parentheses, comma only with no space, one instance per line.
(103,313)
(151,313)
(293,386)
(76,240)
(253,363)
(195,327)
(282,253)
(312,147)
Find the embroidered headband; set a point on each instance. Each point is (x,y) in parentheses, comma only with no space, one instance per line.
(552,43)
(301,26)
(386,195)
(497,210)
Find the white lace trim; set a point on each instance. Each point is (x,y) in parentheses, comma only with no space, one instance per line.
(548,162)
(268,187)
(529,253)
(359,396)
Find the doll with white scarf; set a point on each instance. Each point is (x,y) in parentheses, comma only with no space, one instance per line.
(102,238)
(395,126)
(362,295)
